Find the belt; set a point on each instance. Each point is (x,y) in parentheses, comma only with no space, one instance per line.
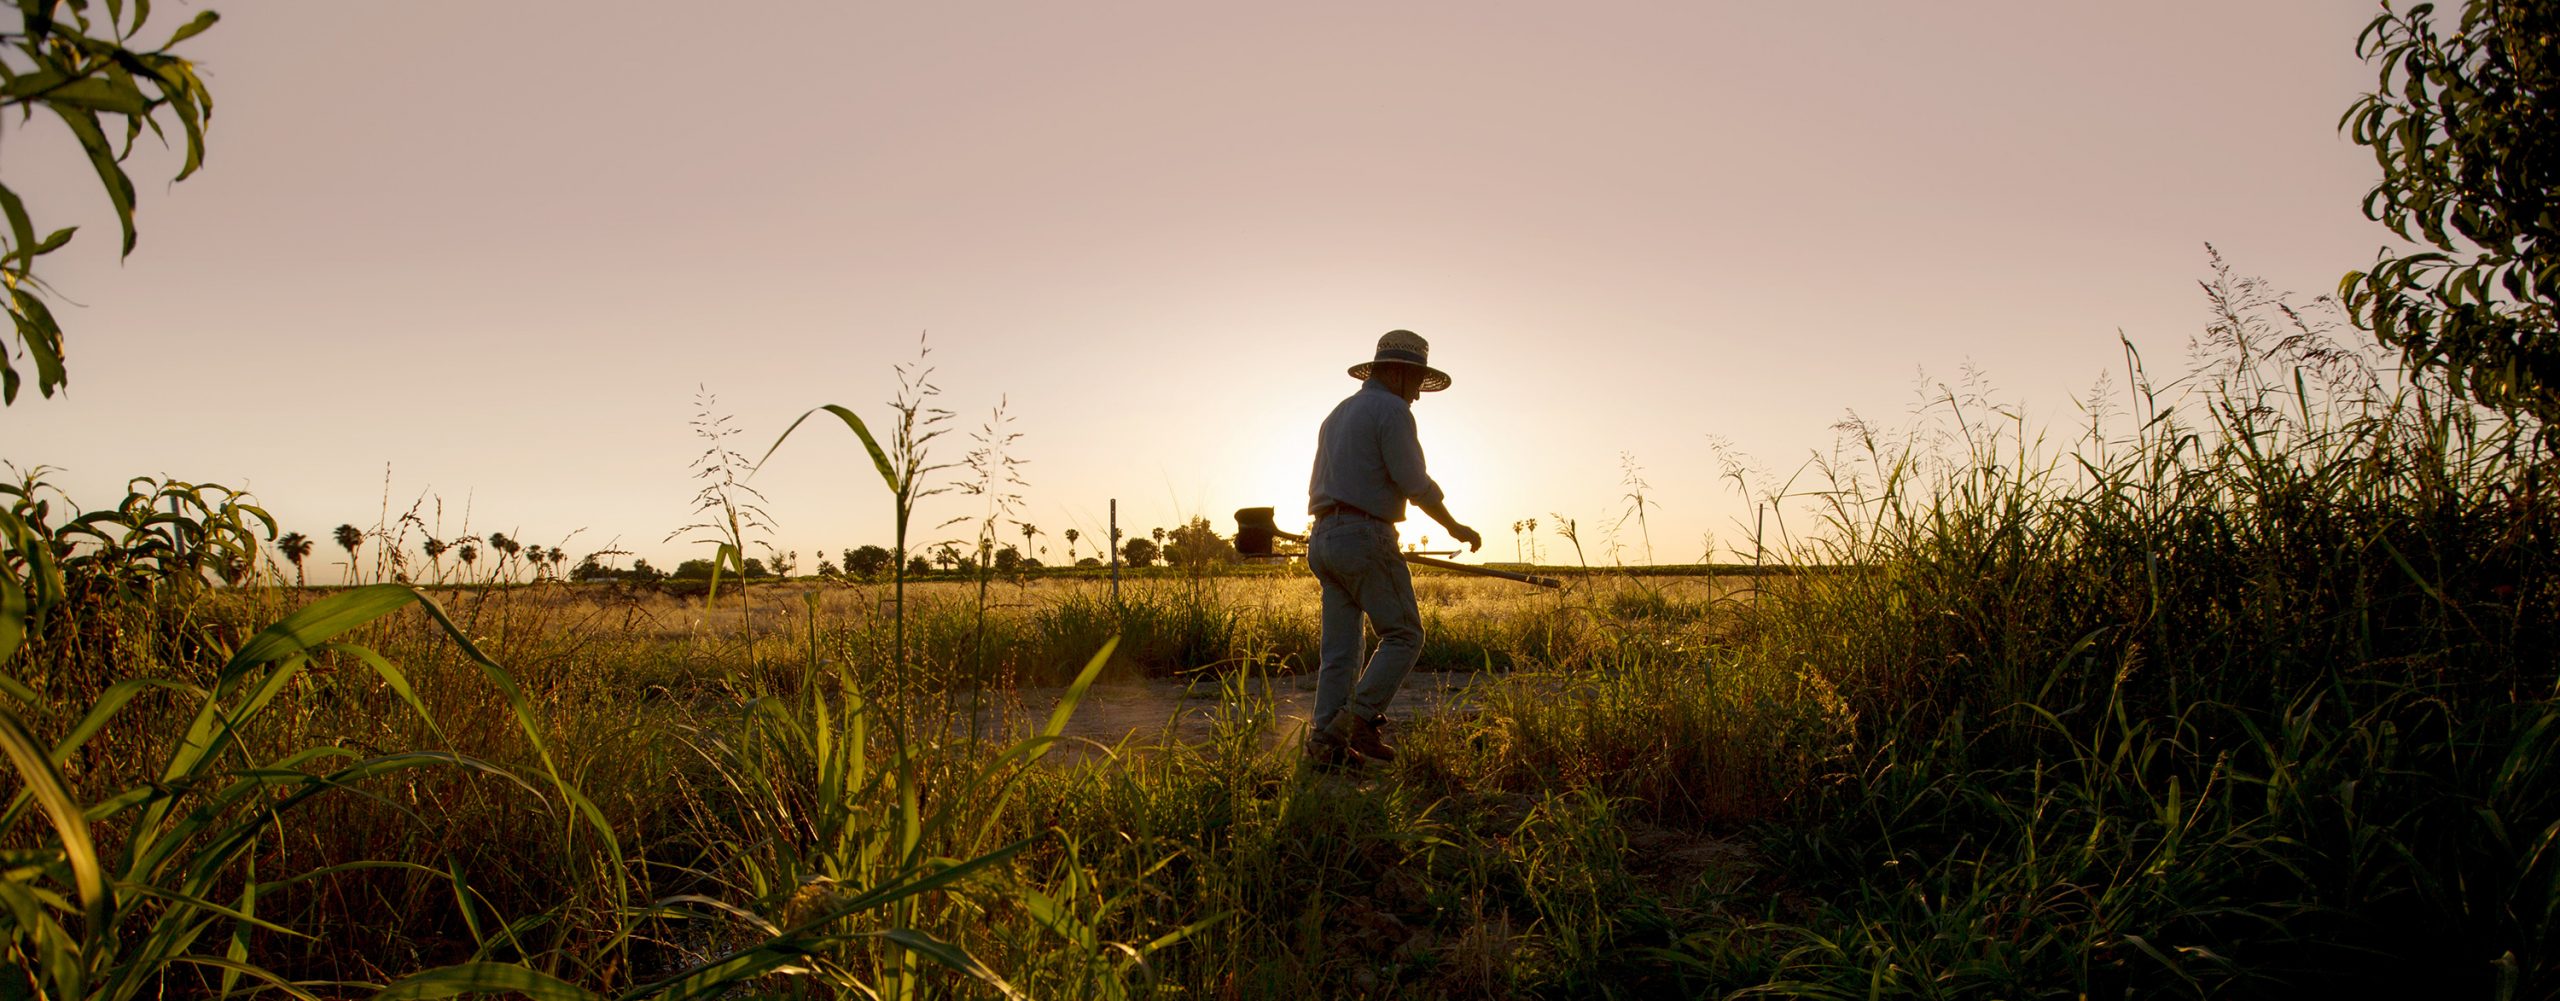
(1342,510)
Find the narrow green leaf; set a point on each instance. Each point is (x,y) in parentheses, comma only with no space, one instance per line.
(193,104)
(393,678)
(42,338)
(110,702)
(952,957)
(13,687)
(77,848)
(523,709)
(32,83)
(1075,692)
(720,974)
(191,29)
(138,891)
(13,627)
(102,93)
(667,906)
(22,232)
(879,458)
(1184,932)
(290,988)
(1046,911)
(483,978)
(102,156)
(926,884)
(314,624)
(60,954)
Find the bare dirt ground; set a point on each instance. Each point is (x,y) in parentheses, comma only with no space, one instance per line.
(1154,712)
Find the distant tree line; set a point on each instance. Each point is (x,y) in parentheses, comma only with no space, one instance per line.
(1194,544)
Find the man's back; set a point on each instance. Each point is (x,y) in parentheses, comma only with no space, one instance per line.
(1369,457)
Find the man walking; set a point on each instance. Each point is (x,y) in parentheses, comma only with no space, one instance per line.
(1368,466)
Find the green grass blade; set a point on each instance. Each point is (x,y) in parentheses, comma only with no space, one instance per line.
(109,703)
(952,957)
(235,968)
(1075,692)
(879,458)
(719,974)
(1005,768)
(523,709)
(238,950)
(36,770)
(483,978)
(396,679)
(935,881)
(56,953)
(314,624)
(1184,932)
(246,918)
(14,614)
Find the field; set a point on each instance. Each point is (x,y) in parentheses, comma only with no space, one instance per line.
(2248,694)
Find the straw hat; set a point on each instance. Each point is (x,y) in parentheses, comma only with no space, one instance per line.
(1404,347)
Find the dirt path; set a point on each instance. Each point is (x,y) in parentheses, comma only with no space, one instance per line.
(1158,711)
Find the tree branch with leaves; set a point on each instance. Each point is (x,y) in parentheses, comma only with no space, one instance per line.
(2466,129)
(84,70)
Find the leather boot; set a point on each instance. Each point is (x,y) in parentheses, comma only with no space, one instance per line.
(1360,734)
(1327,753)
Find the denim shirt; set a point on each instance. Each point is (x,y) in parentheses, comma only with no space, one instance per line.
(1368,456)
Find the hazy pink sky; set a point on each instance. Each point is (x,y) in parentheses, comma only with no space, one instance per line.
(497,245)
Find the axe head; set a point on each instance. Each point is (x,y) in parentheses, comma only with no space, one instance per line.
(1254,531)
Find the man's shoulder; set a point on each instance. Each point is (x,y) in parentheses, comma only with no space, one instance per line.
(1370,404)
(1350,405)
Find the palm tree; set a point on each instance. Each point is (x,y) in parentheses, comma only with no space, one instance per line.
(1533,540)
(296,547)
(1159,534)
(1028,530)
(507,549)
(1072,536)
(349,539)
(1515,538)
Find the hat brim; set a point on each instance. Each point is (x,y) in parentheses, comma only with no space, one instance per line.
(1433,380)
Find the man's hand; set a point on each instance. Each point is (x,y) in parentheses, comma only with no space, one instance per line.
(1440,513)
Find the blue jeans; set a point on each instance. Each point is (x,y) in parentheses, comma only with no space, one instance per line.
(1355,559)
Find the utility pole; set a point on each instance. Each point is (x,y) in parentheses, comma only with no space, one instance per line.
(1759,549)
(1115,551)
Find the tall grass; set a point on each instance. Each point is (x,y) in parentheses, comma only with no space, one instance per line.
(2249,690)
(2241,688)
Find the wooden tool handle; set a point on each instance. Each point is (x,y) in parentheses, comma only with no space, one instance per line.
(1483,571)
(1459,567)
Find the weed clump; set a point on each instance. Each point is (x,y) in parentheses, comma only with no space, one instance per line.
(2253,695)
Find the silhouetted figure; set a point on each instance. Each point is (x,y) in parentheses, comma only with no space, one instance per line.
(1368,466)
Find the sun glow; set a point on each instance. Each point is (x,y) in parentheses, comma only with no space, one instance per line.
(1274,452)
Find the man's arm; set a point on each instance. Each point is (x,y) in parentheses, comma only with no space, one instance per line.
(1402,449)
(1440,513)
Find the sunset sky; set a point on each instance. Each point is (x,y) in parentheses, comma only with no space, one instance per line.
(498,246)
